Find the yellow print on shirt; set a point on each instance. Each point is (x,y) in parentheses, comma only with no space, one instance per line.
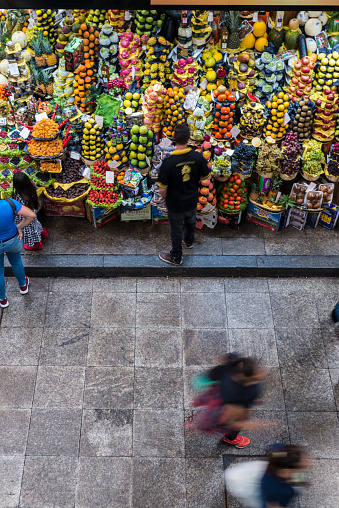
(185,171)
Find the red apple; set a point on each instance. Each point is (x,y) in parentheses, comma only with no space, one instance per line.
(308,89)
(305,60)
(297,73)
(328,105)
(330,97)
(325,127)
(327,91)
(297,64)
(319,102)
(299,93)
(326,121)
(304,79)
(292,89)
(305,70)
(294,80)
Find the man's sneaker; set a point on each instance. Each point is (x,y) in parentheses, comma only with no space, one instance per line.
(24,289)
(166,256)
(238,442)
(4,303)
(187,245)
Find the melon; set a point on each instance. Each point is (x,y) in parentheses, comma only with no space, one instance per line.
(314,14)
(249,41)
(277,37)
(313,27)
(323,18)
(261,44)
(291,39)
(293,24)
(259,28)
(21,38)
(302,17)
(333,25)
(311,45)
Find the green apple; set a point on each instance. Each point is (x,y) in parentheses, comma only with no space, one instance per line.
(132,155)
(149,144)
(141,156)
(135,139)
(149,134)
(148,152)
(135,129)
(134,162)
(142,164)
(141,148)
(133,147)
(143,140)
(143,129)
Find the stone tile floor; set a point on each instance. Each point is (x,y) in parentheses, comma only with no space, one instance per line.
(95,385)
(68,235)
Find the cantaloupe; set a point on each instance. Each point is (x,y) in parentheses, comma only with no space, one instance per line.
(261,43)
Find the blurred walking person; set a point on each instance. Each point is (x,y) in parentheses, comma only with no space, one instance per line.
(223,407)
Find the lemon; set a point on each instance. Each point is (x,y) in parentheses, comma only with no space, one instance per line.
(128,96)
(120,146)
(91,120)
(135,96)
(112,149)
(127,104)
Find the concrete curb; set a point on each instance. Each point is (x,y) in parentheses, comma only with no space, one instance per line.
(95,265)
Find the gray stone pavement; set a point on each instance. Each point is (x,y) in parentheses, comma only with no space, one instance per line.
(95,385)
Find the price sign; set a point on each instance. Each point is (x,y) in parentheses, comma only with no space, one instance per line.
(113,164)
(148,162)
(127,15)
(25,133)
(3,121)
(286,118)
(75,155)
(133,71)
(234,132)
(99,120)
(40,116)
(13,69)
(84,118)
(229,152)
(109,176)
(204,84)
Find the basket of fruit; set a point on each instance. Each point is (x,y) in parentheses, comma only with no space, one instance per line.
(46,150)
(45,130)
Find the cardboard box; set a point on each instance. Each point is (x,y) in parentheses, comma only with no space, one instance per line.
(231,220)
(210,220)
(266,218)
(285,219)
(298,218)
(312,219)
(100,215)
(329,216)
(74,54)
(142,214)
(64,209)
(159,217)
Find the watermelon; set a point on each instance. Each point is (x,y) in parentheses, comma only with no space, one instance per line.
(291,39)
(333,40)
(333,25)
(277,37)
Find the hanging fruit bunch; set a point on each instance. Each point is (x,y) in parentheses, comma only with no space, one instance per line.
(212,58)
(301,78)
(291,156)
(157,64)
(243,159)
(301,114)
(207,194)
(326,115)
(269,159)
(93,143)
(244,66)
(252,118)
(129,57)
(326,71)
(146,22)
(153,106)
(116,148)
(276,126)
(108,53)
(141,146)
(313,159)
(116,18)
(46,23)
(270,76)
(185,72)
(233,195)
(90,37)
(173,109)
(201,30)
(85,78)
(223,111)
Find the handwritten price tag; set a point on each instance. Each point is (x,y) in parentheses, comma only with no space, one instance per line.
(99,120)
(109,176)
(41,116)
(75,155)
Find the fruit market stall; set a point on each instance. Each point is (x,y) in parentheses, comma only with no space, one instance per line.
(90,99)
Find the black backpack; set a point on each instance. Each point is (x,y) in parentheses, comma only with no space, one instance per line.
(12,205)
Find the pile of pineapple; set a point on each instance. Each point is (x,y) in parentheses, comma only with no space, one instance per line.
(16,20)
(43,50)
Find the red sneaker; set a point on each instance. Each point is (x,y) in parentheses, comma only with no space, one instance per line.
(36,246)
(4,303)
(238,442)
(44,233)
(24,289)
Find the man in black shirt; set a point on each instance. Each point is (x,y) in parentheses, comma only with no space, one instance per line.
(178,181)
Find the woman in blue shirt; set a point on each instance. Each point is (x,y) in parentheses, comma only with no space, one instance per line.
(11,244)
